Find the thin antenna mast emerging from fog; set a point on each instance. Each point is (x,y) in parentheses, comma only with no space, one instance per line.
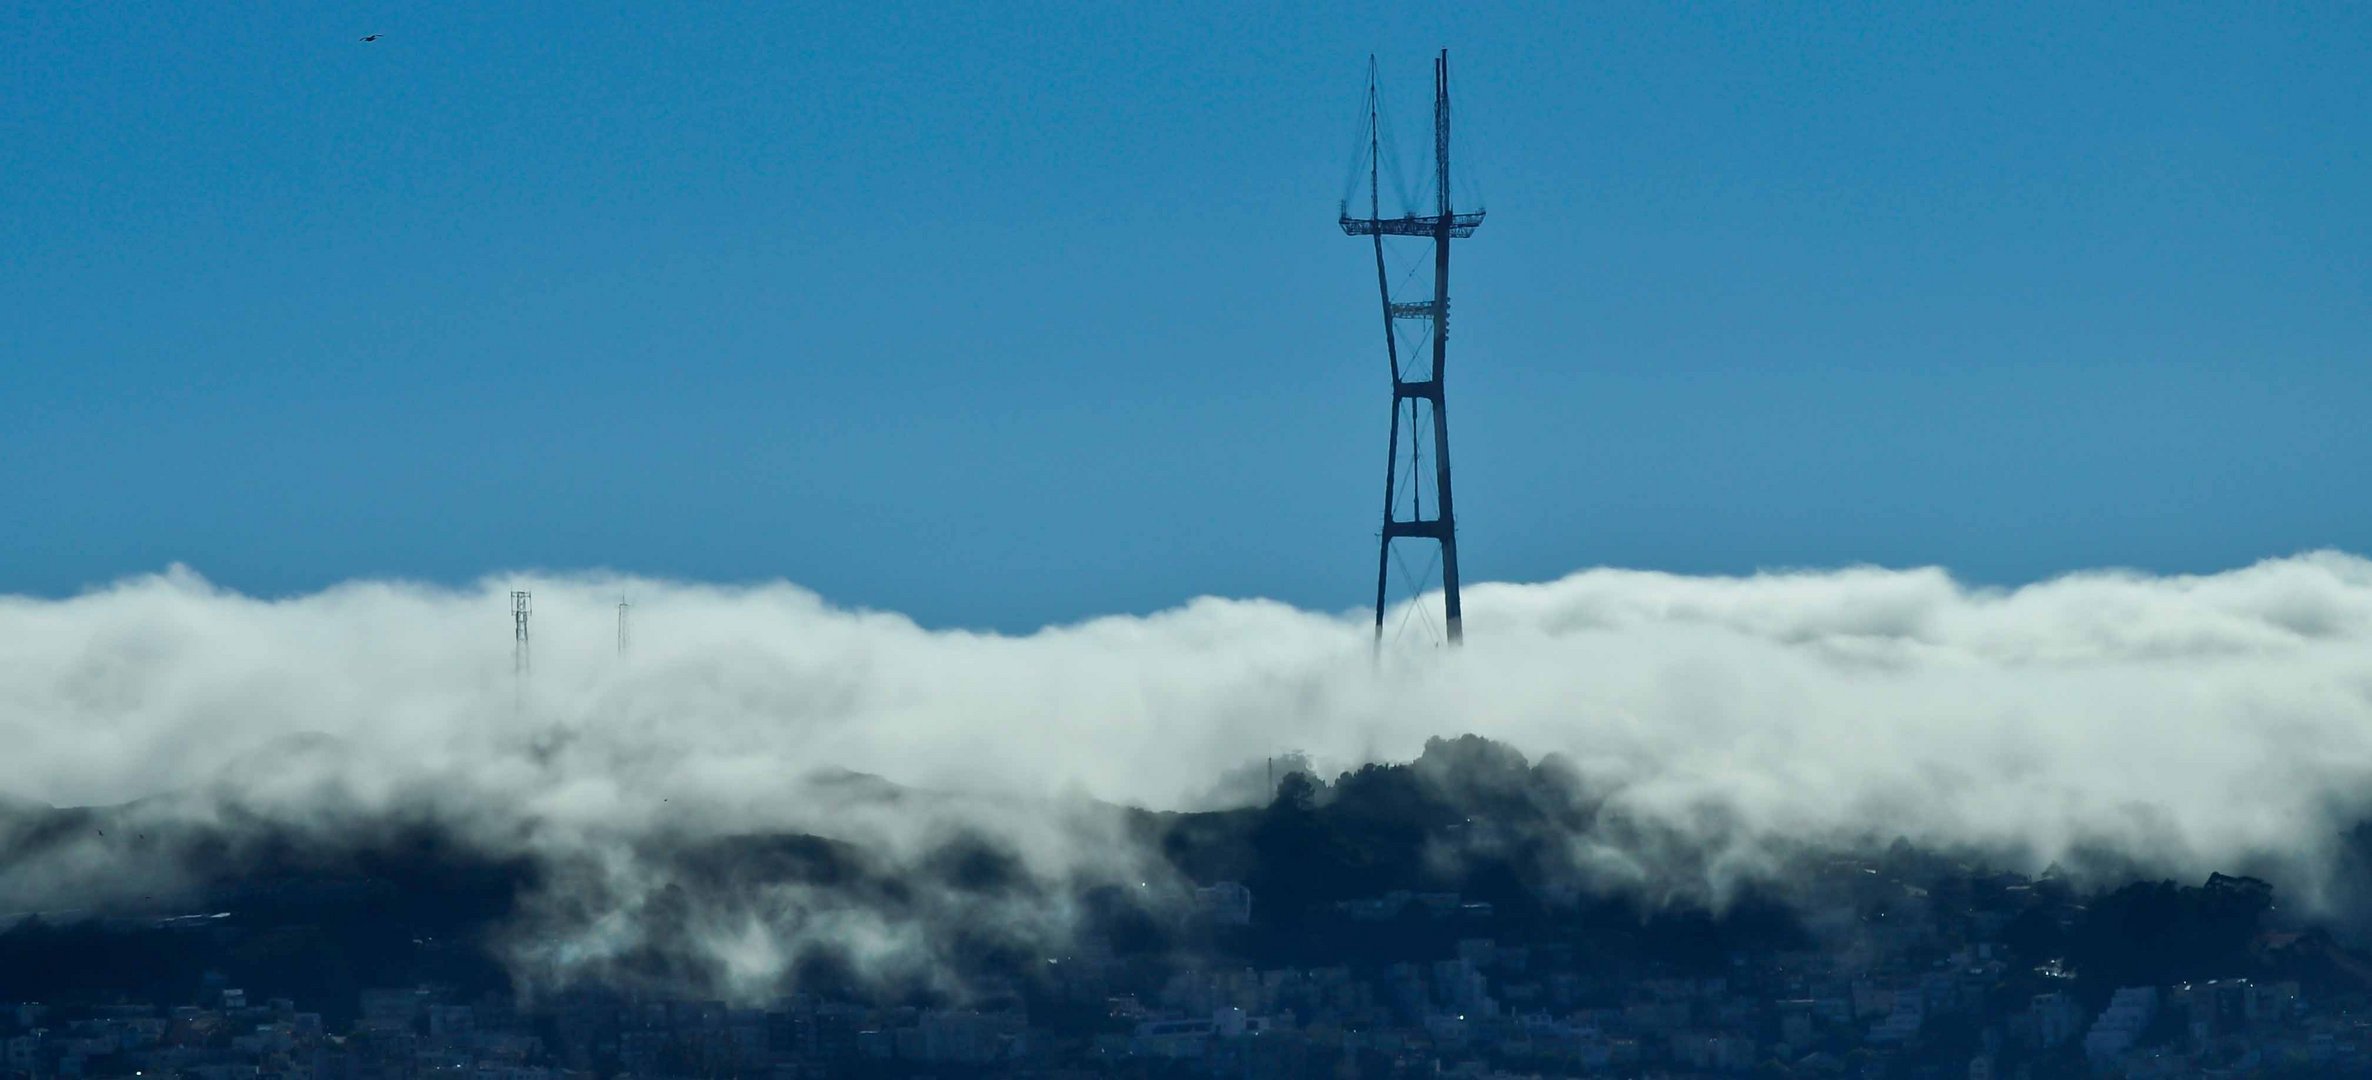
(522,602)
(622,639)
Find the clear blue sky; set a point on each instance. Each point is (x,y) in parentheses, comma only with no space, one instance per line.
(1018,313)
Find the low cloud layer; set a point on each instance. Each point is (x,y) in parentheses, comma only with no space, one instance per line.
(2183,723)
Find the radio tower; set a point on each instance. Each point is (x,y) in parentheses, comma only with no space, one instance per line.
(1416,378)
(521,603)
(621,628)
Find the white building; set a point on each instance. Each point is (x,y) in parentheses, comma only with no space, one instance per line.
(1901,1024)
(2119,1027)
(1227,903)
(2057,1018)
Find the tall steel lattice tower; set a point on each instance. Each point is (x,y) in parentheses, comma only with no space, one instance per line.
(1412,328)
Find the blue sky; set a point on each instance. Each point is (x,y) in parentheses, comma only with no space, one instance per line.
(1023,313)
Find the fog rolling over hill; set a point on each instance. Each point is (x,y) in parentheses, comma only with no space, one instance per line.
(767,778)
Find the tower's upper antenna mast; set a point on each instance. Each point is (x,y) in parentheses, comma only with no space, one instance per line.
(1414,388)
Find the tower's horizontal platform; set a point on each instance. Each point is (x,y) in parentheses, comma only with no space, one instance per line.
(1431,528)
(1461,225)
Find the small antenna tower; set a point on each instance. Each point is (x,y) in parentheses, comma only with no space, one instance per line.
(622,638)
(522,602)
(1416,378)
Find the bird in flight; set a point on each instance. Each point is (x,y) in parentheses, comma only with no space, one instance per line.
(370,37)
